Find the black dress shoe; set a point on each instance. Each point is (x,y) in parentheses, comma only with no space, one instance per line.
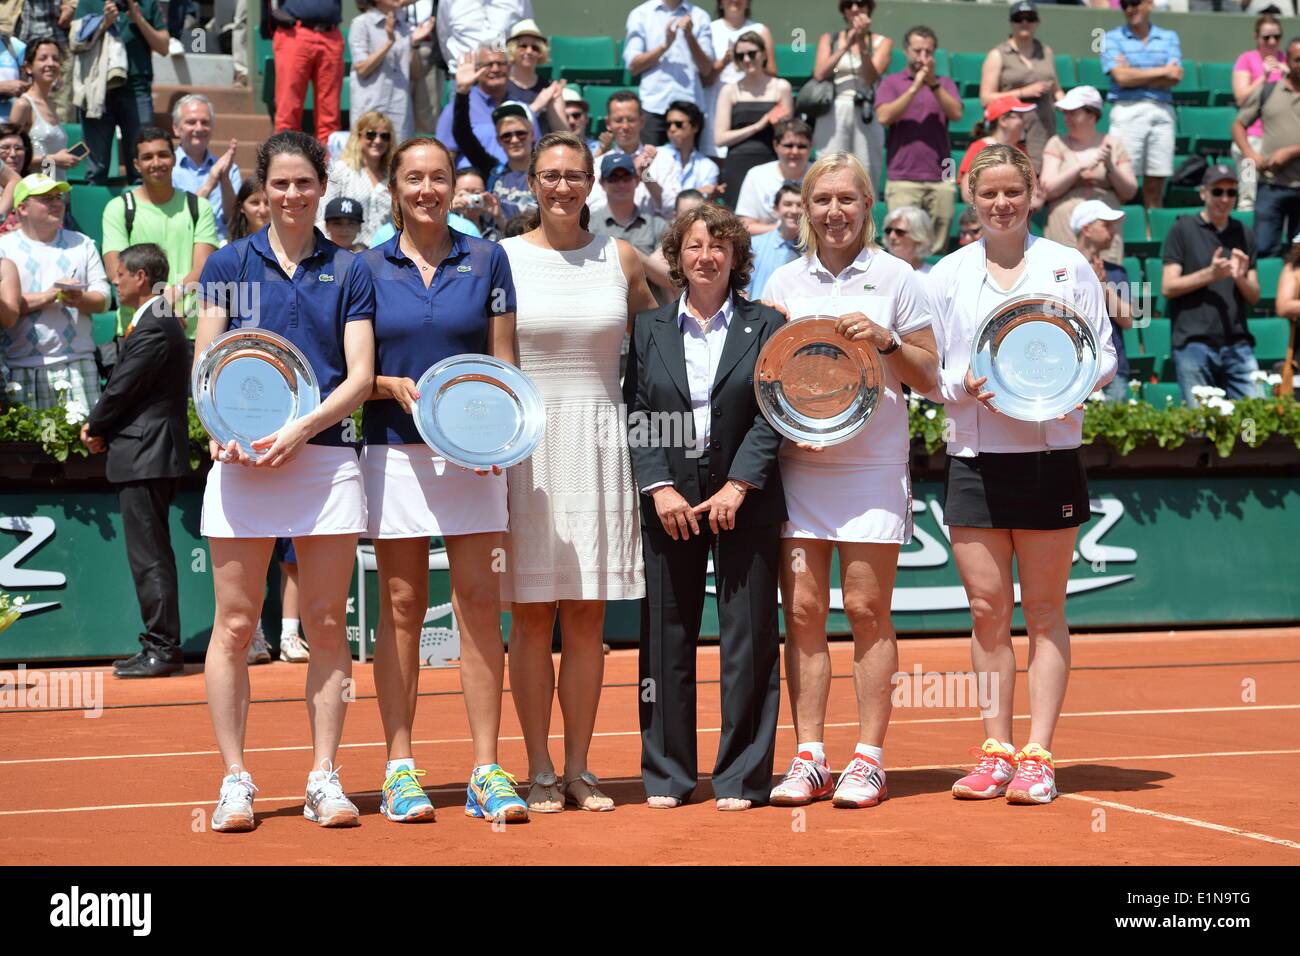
(128,661)
(149,665)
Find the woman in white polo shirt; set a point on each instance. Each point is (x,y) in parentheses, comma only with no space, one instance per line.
(1012,489)
(856,496)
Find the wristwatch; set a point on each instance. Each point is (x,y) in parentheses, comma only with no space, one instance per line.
(895,343)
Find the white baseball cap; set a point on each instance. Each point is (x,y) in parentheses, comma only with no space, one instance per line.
(1089,211)
(1081,97)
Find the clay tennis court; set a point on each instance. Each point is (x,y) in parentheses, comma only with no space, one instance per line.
(1160,761)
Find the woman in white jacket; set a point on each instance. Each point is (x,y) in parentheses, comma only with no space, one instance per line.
(1012,488)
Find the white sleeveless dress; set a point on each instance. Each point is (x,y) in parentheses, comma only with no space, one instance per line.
(574,522)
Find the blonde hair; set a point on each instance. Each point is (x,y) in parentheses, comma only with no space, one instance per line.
(830,163)
(998,154)
(370,120)
(543,58)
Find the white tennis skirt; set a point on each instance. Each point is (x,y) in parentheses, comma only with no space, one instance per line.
(857,503)
(413,493)
(318,492)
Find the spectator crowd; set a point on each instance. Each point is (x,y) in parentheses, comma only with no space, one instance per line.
(708,117)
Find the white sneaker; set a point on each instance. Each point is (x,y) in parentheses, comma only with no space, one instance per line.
(259,652)
(862,784)
(234,813)
(294,649)
(327,804)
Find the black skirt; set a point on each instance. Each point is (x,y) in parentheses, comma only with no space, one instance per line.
(1036,490)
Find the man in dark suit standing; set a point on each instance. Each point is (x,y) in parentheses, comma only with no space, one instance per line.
(705,463)
(141,421)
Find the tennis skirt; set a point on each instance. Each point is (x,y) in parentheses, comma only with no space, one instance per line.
(1034,491)
(413,493)
(318,492)
(846,502)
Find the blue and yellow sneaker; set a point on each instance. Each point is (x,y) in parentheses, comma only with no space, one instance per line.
(403,798)
(491,796)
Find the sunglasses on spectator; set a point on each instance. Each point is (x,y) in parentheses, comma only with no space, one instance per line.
(677,124)
(852,5)
(535,47)
(575,114)
(1271,37)
(746,55)
(1130,4)
(1218,192)
(511,136)
(896,231)
(552,177)
(1025,18)
(378,134)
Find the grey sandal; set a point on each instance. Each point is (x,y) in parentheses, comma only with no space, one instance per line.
(549,784)
(592,783)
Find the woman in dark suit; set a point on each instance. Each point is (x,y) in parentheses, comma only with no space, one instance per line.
(705,461)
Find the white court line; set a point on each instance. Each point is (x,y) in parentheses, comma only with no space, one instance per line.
(637,733)
(1190,821)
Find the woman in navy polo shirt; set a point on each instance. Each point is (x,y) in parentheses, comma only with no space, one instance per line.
(306,485)
(438,293)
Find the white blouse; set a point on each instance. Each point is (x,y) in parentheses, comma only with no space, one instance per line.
(961,295)
(375,199)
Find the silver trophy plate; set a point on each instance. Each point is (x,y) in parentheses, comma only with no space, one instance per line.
(250,383)
(814,385)
(478,411)
(1040,356)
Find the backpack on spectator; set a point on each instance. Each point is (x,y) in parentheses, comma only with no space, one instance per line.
(128,200)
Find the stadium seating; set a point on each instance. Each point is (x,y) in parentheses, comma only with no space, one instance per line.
(1134,231)
(960,132)
(795,65)
(1161,394)
(1205,130)
(103,327)
(1271,338)
(1217,78)
(88,204)
(597,98)
(966,70)
(1268,270)
(585,60)
(1189,91)
(1066,72)
(1090,74)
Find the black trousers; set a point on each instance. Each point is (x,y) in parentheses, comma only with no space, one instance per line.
(655,131)
(144,507)
(746,563)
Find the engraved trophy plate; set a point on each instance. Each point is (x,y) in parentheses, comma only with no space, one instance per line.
(1040,356)
(478,411)
(814,385)
(250,383)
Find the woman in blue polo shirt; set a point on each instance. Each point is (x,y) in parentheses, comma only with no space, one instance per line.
(438,293)
(306,484)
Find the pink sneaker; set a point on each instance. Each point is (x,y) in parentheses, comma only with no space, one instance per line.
(805,781)
(862,784)
(989,779)
(1035,779)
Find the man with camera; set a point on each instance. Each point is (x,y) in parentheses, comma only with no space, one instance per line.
(915,107)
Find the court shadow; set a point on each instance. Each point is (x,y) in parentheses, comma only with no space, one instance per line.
(1108,778)
(915,783)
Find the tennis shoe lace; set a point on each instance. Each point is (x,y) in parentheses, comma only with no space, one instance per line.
(328,786)
(500,784)
(235,790)
(859,770)
(1032,767)
(404,780)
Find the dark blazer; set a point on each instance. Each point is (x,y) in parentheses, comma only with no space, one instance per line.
(142,412)
(742,444)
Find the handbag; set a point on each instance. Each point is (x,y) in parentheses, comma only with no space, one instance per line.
(815,98)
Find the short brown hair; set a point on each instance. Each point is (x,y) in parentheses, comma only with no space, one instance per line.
(395,167)
(721,224)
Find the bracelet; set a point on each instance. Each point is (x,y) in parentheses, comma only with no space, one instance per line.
(737,485)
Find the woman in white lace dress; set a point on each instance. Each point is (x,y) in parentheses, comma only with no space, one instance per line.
(574,538)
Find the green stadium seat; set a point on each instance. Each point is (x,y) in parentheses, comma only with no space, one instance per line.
(1090,74)
(1268,270)
(88,204)
(1154,270)
(1271,339)
(1217,78)
(1067,74)
(966,71)
(1140,366)
(1205,130)
(1190,91)
(1133,268)
(1155,342)
(1162,394)
(585,59)
(77,174)
(104,327)
(795,63)
(954,226)
(1134,232)
(961,131)
(1247,218)
(878,210)
(1162,220)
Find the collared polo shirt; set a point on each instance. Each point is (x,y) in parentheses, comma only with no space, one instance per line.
(190,177)
(1214,314)
(771,251)
(1161,48)
(328,289)
(643,232)
(415,327)
(917,142)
